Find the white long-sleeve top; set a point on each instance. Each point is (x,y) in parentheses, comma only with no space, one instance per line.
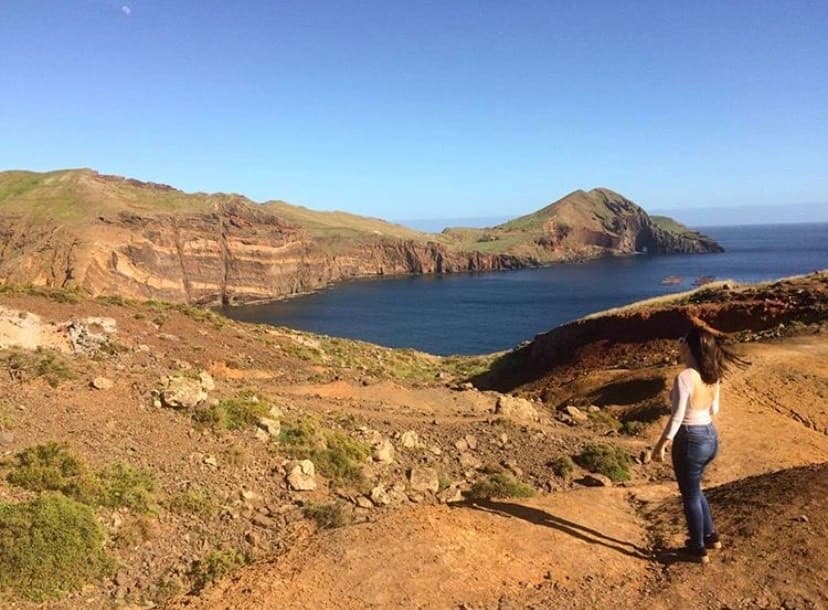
(682,409)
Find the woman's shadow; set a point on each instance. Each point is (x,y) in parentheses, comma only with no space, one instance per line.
(541,517)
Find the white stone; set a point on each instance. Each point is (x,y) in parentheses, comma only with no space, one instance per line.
(302,476)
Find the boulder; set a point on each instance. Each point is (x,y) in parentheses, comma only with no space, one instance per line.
(517,409)
(576,414)
(593,479)
(271,426)
(207,382)
(468,460)
(379,496)
(384,452)
(302,476)
(410,440)
(182,393)
(424,479)
(102,383)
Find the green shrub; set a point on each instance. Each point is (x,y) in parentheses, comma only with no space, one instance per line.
(241,411)
(49,546)
(329,515)
(48,364)
(113,299)
(214,566)
(633,427)
(335,454)
(122,485)
(193,500)
(59,295)
(608,460)
(562,466)
(53,467)
(604,419)
(500,485)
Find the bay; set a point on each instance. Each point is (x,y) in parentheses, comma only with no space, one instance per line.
(474,313)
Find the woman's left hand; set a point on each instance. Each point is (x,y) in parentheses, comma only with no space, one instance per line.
(660,451)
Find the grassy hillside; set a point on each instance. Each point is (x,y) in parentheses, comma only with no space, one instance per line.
(76,196)
(342,224)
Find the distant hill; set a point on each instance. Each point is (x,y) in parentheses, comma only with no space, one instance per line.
(115,235)
(585,224)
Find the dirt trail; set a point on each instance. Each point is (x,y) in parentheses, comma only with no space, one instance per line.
(442,557)
(576,548)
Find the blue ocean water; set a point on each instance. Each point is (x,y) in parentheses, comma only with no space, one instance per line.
(478,313)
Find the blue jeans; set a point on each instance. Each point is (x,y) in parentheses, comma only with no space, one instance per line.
(693,449)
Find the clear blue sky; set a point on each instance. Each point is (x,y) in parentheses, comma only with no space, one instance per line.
(425,109)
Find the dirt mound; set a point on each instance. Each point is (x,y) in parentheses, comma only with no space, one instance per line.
(644,334)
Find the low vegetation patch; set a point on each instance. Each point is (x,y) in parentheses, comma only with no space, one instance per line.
(562,466)
(500,484)
(58,295)
(609,460)
(53,467)
(633,427)
(214,566)
(604,420)
(335,454)
(41,363)
(193,501)
(329,515)
(242,411)
(50,546)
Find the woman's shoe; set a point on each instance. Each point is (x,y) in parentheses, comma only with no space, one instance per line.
(712,541)
(697,555)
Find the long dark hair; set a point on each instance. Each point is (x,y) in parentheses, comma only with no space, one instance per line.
(713,360)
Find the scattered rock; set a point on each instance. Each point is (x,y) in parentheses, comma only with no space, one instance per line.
(410,439)
(435,450)
(593,409)
(471,441)
(302,476)
(518,409)
(576,414)
(364,502)
(384,452)
(468,460)
(208,384)
(252,538)
(461,445)
(424,479)
(89,335)
(803,518)
(210,460)
(379,496)
(593,479)
(262,435)
(646,456)
(450,495)
(251,498)
(182,392)
(102,383)
(271,426)
(262,521)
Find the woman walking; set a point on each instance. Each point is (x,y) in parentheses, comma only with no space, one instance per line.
(695,400)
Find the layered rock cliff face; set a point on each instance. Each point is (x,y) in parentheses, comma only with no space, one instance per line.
(110,235)
(234,254)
